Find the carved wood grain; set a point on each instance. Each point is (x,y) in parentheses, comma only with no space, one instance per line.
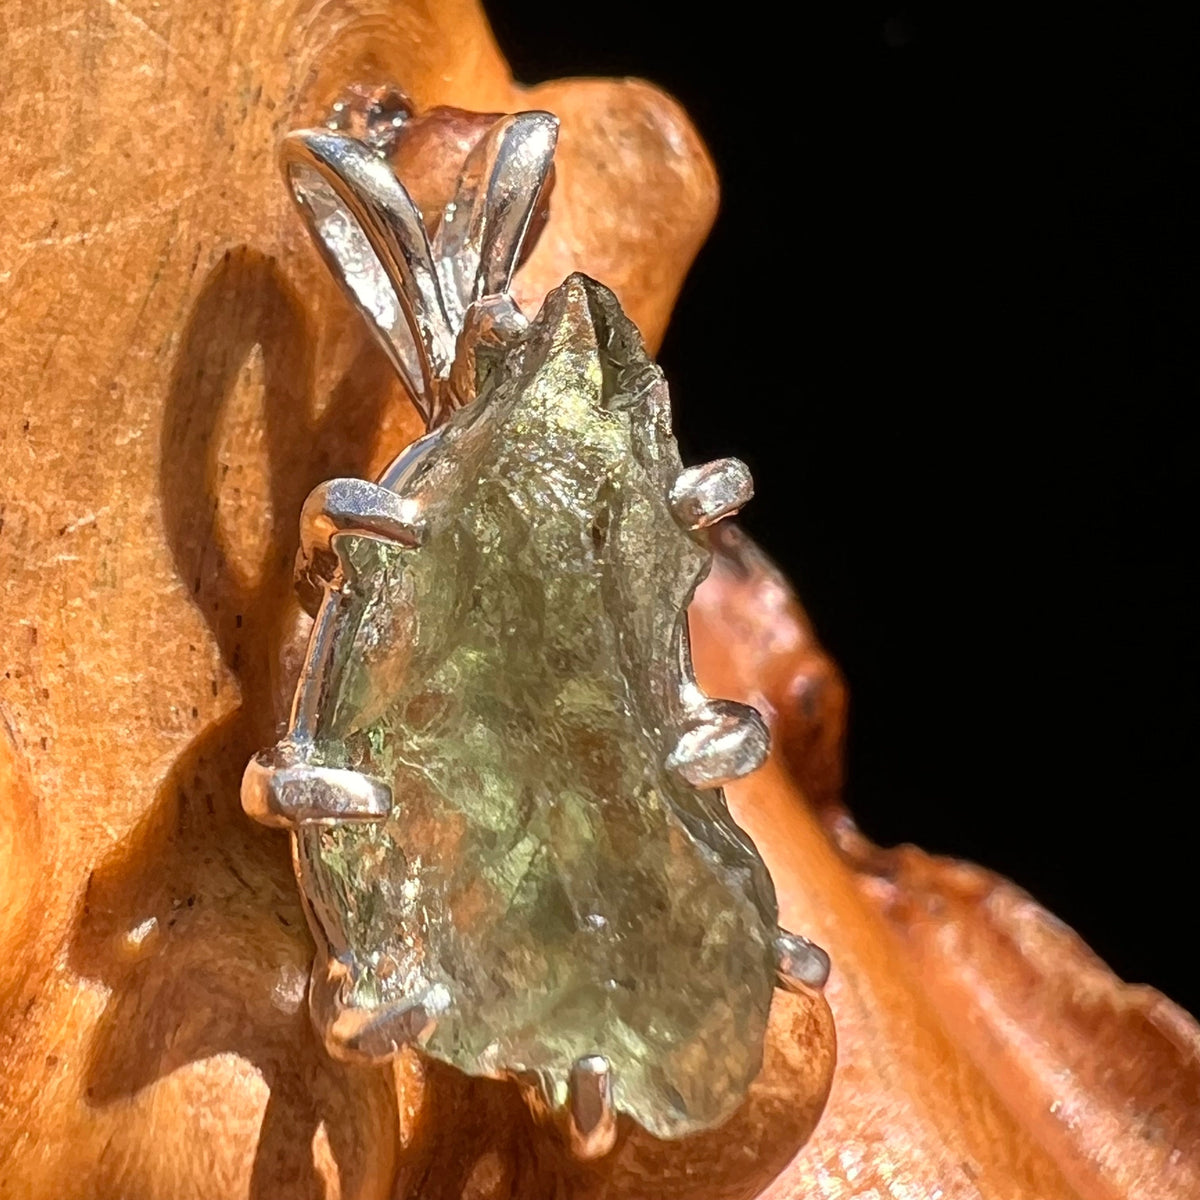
(176,371)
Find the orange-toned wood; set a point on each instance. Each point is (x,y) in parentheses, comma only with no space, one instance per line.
(176,371)
(983,1049)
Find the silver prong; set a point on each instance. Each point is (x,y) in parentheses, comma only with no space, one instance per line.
(489,325)
(281,790)
(727,740)
(356,506)
(591,1118)
(702,495)
(802,965)
(362,1035)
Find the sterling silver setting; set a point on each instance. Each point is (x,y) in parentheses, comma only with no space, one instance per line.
(430,301)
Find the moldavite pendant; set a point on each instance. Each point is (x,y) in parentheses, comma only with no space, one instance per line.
(502,779)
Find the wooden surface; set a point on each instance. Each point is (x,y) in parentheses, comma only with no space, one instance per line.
(983,1049)
(175,373)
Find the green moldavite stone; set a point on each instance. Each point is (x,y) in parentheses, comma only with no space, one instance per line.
(544,885)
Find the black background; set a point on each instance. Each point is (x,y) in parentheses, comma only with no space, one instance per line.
(966,397)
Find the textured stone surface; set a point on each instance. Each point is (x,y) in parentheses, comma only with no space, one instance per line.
(544,885)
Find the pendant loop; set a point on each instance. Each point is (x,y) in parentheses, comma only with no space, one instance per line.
(415,291)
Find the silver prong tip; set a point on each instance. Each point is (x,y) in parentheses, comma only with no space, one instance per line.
(281,791)
(375,1037)
(494,319)
(368,1035)
(591,1118)
(802,965)
(489,325)
(355,506)
(702,495)
(728,740)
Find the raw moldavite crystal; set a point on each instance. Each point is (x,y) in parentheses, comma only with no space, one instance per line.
(544,886)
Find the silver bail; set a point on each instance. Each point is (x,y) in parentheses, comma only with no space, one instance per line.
(413,290)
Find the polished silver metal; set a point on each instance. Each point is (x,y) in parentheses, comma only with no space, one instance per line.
(414,292)
(587,1119)
(281,789)
(590,1116)
(727,740)
(710,492)
(722,740)
(372,237)
(439,304)
(488,325)
(802,965)
(478,242)
(359,1035)
(355,506)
